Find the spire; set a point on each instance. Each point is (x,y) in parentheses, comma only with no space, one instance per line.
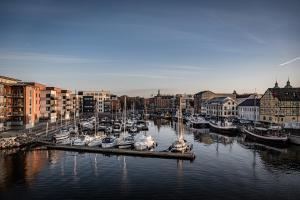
(288,84)
(158,93)
(276,84)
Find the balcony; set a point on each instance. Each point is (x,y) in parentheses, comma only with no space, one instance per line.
(18,114)
(19,105)
(18,95)
(16,123)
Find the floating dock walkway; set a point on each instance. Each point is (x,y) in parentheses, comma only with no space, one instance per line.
(153,154)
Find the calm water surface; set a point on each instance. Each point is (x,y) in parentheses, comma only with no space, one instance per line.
(225,168)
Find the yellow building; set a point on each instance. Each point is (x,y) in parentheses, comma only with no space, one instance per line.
(280,105)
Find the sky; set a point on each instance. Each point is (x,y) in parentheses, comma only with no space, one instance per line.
(138,47)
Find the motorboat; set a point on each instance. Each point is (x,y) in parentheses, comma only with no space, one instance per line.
(109,142)
(125,142)
(97,141)
(82,140)
(145,142)
(117,128)
(133,129)
(62,135)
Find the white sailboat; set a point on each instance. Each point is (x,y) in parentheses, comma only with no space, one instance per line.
(180,144)
(126,140)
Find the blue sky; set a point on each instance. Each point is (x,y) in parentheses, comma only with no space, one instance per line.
(137,47)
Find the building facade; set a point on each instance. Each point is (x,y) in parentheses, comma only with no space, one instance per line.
(280,105)
(221,107)
(98,96)
(201,99)
(51,104)
(249,110)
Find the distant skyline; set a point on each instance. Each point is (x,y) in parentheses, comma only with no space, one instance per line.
(138,47)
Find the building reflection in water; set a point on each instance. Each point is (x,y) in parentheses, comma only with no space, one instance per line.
(20,166)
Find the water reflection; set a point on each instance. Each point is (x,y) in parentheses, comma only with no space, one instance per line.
(249,167)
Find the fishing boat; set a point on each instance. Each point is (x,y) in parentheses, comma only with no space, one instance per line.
(117,128)
(223,127)
(293,131)
(265,135)
(145,142)
(109,142)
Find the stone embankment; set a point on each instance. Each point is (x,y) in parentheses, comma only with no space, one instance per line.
(13,142)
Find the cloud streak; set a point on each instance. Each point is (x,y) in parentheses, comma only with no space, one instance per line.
(139,75)
(47,58)
(290,61)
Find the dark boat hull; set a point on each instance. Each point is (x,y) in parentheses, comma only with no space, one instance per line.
(224,131)
(279,142)
(200,125)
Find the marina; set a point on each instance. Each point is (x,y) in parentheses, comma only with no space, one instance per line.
(219,158)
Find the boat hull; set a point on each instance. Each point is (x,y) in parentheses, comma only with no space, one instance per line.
(274,141)
(225,131)
(294,139)
(200,125)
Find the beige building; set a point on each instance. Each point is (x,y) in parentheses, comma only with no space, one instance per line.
(201,98)
(280,105)
(51,104)
(66,104)
(221,107)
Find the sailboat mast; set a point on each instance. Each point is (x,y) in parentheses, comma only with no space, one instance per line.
(124,117)
(96,115)
(179,119)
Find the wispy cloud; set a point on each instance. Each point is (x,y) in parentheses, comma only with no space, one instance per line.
(289,61)
(47,58)
(192,67)
(255,38)
(140,75)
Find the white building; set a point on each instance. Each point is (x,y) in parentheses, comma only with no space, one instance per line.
(221,107)
(99,96)
(249,110)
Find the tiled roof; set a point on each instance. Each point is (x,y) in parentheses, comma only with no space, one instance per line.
(250,102)
(286,94)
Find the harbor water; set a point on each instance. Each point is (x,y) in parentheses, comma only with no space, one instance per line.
(224,168)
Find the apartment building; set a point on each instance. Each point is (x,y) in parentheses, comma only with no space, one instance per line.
(51,104)
(98,96)
(66,104)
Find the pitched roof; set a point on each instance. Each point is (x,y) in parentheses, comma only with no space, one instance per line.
(218,100)
(250,102)
(286,94)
